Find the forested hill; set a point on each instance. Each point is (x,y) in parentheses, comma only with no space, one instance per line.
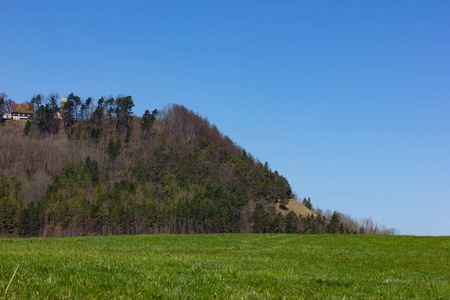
(99,170)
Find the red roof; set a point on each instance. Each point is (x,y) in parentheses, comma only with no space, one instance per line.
(21,108)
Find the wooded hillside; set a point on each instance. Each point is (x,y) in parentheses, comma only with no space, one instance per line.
(99,170)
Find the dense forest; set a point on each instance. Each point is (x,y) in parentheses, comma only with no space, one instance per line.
(84,169)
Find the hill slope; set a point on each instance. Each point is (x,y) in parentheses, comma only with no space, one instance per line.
(112,173)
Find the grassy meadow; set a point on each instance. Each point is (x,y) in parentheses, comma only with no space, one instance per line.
(230,266)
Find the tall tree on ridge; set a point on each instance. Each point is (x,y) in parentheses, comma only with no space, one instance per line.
(109,107)
(88,105)
(77,102)
(52,100)
(69,110)
(148,119)
(36,102)
(99,111)
(123,109)
(3,110)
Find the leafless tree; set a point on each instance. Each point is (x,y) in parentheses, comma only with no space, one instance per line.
(5,105)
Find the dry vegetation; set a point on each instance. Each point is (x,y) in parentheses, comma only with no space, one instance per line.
(297,207)
(35,159)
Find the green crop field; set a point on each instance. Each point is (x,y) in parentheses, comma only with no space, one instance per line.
(230,266)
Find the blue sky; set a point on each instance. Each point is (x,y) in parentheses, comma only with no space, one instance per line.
(349,100)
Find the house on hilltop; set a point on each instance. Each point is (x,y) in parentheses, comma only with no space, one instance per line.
(21,112)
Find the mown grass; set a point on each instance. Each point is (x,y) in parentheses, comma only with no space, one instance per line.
(231,266)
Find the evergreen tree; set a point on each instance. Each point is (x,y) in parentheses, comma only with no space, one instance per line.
(99,112)
(114,145)
(27,127)
(260,219)
(123,109)
(148,119)
(291,222)
(333,225)
(36,102)
(307,203)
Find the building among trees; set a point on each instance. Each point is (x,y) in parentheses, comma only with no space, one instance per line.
(58,114)
(21,112)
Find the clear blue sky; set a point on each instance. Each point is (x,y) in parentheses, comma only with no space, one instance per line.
(349,100)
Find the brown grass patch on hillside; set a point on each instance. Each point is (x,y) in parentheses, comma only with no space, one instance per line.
(296,207)
(20,124)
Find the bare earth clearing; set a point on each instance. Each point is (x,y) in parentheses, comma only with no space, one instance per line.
(296,207)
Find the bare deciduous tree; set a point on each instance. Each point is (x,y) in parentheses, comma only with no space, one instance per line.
(5,105)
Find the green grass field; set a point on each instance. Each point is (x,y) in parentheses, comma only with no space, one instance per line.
(231,266)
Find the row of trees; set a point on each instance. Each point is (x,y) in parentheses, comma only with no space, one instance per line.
(274,222)
(49,114)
